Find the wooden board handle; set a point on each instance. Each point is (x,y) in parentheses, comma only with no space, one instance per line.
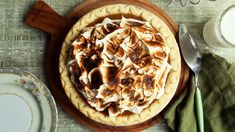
(43,17)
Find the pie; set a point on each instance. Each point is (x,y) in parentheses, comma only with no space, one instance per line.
(120,71)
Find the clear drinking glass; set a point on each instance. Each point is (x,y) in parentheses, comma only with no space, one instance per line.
(220,30)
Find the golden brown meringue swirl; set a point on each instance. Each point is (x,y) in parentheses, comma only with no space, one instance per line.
(120,65)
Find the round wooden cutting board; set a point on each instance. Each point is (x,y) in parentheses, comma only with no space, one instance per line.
(43,17)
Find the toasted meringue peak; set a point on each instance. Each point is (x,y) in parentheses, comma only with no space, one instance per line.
(120,65)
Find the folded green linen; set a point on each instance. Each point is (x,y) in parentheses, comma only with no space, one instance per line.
(217,84)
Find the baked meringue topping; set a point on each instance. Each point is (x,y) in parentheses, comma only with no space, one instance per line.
(120,65)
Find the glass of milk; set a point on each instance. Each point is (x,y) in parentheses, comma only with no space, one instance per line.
(220,30)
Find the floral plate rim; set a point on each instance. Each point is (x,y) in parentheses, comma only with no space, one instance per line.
(31,83)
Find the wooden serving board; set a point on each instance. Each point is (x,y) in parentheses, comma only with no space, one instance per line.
(43,17)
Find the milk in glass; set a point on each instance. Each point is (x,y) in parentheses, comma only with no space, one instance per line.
(220,30)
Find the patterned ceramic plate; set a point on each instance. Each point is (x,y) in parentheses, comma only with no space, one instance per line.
(26,105)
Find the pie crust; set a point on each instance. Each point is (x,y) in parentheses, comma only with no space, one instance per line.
(173,77)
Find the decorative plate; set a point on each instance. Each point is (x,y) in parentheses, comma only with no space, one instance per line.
(26,103)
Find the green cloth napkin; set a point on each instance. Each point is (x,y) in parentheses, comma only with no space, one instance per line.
(217,84)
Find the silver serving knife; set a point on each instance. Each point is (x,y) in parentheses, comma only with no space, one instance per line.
(192,57)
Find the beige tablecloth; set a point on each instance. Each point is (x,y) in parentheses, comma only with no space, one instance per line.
(24,47)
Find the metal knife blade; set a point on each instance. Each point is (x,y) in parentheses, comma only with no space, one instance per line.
(189,49)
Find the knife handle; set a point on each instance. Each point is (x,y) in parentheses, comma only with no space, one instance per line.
(199,110)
